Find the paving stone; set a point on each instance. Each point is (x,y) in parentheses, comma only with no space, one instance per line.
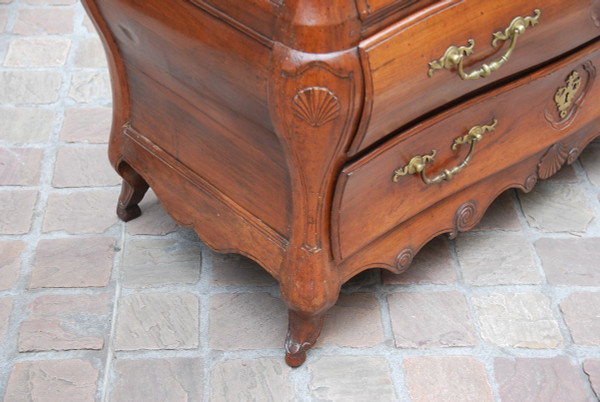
(17,210)
(263,379)
(39,87)
(446,378)
(73,262)
(557,208)
(20,166)
(10,263)
(582,315)
(496,259)
(84,166)
(66,322)
(89,25)
(85,124)
(237,270)
(158,321)
(53,380)
(154,220)
(351,378)
(90,53)
(565,175)
(590,159)
(431,320)
(51,2)
(433,264)
(39,21)
(501,215)
(3,19)
(37,52)
(592,369)
(26,125)
(81,212)
(553,379)
(521,320)
(160,380)
(572,262)
(6,306)
(90,86)
(354,321)
(159,262)
(247,321)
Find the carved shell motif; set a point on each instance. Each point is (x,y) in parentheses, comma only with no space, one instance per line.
(316,106)
(553,160)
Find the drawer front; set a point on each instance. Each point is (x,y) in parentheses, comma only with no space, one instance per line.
(399,88)
(462,146)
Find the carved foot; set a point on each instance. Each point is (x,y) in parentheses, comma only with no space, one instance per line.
(303,332)
(133,189)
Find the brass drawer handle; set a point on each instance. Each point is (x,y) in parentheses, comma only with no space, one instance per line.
(418,163)
(454,56)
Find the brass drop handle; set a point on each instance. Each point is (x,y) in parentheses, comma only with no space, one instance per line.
(454,56)
(418,163)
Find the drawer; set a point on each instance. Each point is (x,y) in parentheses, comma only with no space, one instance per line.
(399,88)
(514,122)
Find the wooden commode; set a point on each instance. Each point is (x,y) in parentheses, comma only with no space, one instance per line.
(324,138)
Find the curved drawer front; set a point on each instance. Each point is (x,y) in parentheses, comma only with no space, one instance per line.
(400,87)
(462,146)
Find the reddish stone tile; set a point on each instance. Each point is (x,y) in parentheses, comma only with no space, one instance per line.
(10,263)
(86,125)
(84,166)
(501,215)
(6,306)
(17,211)
(38,21)
(154,220)
(20,166)
(431,320)
(582,315)
(570,261)
(73,262)
(53,380)
(592,369)
(433,264)
(553,379)
(89,25)
(65,322)
(446,378)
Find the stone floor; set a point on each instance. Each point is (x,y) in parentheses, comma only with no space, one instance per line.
(95,309)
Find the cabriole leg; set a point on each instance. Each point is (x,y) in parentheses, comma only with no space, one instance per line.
(133,189)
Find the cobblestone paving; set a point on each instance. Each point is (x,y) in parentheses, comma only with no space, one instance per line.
(95,309)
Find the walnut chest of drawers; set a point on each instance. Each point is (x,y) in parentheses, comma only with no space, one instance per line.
(323,138)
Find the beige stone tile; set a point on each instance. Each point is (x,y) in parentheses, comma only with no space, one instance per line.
(10,263)
(571,262)
(158,262)
(351,378)
(6,306)
(501,215)
(53,380)
(263,379)
(557,208)
(84,166)
(446,378)
(167,379)
(247,321)
(40,21)
(73,262)
(26,125)
(431,320)
(158,321)
(592,369)
(20,166)
(17,210)
(521,320)
(87,24)
(90,53)
(237,270)
(39,87)
(89,86)
(83,124)
(154,220)
(37,52)
(3,19)
(433,264)
(81,212)
(496,259)
(590,159)
(565,175)
(66,322)
(554,379)
(354,321)
(50,2)
(581,311)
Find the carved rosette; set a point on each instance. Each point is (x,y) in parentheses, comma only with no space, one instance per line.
(404,259)
(553,160)
(316,106)
(464,218)
(530,182)
(573,155)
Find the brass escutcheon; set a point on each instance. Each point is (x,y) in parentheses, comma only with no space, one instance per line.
(565,95)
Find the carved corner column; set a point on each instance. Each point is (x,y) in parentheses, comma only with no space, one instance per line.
(314,101)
